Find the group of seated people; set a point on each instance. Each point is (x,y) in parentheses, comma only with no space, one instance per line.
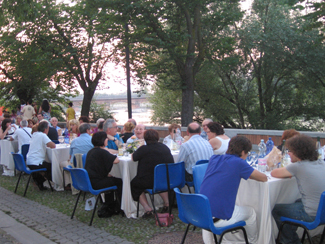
(226,167)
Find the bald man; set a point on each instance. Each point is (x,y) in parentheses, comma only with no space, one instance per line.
(193,150)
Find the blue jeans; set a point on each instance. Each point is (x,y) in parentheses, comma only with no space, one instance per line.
(294,211)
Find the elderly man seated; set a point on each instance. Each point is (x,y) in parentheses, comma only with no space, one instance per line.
(81,144)
(54,121)
(110,127)
(37,153)
(138,135)
(52,134)
(22,135)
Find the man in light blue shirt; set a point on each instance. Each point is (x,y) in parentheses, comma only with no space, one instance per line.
(195,149)
(81,144)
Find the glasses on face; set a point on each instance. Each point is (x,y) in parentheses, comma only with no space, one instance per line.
(208,131)
(114,127)
(204,125)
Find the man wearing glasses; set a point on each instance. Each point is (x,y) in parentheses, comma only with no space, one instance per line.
(205,123)
(110,127)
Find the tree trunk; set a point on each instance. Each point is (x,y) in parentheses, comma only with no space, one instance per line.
(88,96)
(188,96)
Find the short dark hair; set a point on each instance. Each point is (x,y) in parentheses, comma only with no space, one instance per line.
(42,126)
(151,136)
(84,119)
(303,147)
(194,131)
(216,128)
(4,124)
(101,124)
(238,144)
(99,138)
(287,134)
(70,104)
(30,101)
(84,127)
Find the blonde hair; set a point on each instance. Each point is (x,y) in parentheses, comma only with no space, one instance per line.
(74,122)
(129,126)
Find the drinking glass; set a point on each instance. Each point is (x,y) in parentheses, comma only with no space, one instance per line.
(61,139)
(251,158)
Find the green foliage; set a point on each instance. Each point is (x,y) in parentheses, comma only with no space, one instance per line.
(99,111)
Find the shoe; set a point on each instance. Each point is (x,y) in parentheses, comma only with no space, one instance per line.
(67,187)
(164,209)
(41,187)
(148,215)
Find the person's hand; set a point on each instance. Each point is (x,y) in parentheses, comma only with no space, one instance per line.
(111,138)
(60,132)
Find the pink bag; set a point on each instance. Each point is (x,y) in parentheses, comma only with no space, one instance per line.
(165,219)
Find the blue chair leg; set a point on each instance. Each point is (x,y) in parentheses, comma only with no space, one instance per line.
(75,206)
(27,184)
(18,181)
(184,236)
(92,216)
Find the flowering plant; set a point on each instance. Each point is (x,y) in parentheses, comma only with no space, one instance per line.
(132,147)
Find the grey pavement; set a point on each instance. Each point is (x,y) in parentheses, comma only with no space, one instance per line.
(27,222)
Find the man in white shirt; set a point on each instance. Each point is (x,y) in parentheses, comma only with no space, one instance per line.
(22,135)
(28,111)
(37,154)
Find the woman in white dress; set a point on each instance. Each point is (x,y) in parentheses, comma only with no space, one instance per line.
(217,138)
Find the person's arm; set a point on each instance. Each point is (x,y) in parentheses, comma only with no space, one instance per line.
(215,143)
(3,134)
(116,161)
(50,144)
(50,109)
(67,115)
(257,175)
(40,110)
(112,138)
(281,173)
(111,151)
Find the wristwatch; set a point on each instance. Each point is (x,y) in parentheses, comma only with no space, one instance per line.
(114,139)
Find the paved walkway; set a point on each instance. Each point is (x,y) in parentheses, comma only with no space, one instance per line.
(20,218)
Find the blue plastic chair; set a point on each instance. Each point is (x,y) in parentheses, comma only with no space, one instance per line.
(198,175)
(81,181)
(191,183)
(319,220)
(24,150)
(84,156)
(21,166)
(194,209)
(176,179)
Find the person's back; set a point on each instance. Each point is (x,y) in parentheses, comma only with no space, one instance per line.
(81,144)
(22,135)
(28,112)
(221,183)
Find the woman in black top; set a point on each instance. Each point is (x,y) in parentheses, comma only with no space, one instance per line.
(128,127)
(149,156)
(99,163)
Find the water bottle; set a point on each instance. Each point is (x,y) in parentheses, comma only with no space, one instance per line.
(262,149)
(269,146)
(319,149)
(66,136)
(261,165)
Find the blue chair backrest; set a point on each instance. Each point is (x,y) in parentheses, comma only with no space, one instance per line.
(176,176)
(320,216)
(19,162)
(80,179)
(198,175)
(84,156)
(202,161)
(194,209)
(24,150)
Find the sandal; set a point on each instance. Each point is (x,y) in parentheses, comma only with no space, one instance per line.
(164,209)
(148,215)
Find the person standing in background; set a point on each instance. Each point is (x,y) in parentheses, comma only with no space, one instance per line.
(28,111)
(45,110)
(71,114)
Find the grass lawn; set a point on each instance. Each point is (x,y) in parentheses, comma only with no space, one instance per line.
(135,230)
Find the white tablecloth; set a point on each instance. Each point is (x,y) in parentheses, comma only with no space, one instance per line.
(126,169)
(7,147)
(55,156)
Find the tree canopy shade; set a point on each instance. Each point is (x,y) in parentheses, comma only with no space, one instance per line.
(69,38)
(182,30)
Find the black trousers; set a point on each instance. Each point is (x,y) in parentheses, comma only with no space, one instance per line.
(39,177)
(108,182)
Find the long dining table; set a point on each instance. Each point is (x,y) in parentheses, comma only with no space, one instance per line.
(126,169)
(6,159)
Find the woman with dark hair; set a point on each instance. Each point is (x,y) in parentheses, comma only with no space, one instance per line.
(45,110)
(148,156)
(309,172)
(99,163)
(83,119)
(287,134)
(6,129)
(217,138)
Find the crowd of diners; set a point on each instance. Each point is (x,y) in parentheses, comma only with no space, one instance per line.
(226,167)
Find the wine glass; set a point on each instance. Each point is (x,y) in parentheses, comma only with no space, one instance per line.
(61,139)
